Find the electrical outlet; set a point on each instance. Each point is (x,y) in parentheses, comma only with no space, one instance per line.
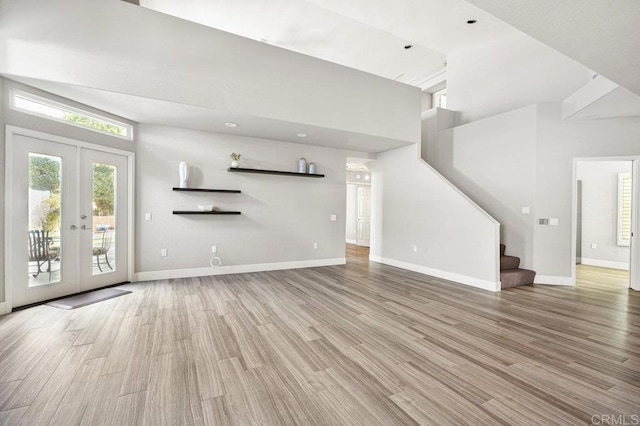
(526,210)
(147,216)
(594,245)
(415,249)
(214,249)
(315,245)
(333,218)
(163,252)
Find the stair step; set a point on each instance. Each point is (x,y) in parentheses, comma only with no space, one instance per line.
(516,277)
(503,248)
(509,262)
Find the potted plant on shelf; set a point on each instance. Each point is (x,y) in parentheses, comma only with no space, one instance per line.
(235,157)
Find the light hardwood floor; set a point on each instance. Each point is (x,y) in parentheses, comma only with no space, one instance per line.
(355,344)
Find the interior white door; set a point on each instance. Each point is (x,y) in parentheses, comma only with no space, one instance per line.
(43,237)
(634,264)
(68,219)
(364,216)
(103,218)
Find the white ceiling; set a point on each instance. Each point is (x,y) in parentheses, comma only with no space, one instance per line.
(172,114)
(618,103)
(603,35)
(366,35)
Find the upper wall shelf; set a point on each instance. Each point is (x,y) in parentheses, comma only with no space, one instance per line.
(200,212)
(272,172)
(230,191)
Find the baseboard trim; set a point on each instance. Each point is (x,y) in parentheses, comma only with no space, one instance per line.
(236,269)
(552,280)
(352,241)
(446,275)
(606,263)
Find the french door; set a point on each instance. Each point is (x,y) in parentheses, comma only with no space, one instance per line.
(68,216)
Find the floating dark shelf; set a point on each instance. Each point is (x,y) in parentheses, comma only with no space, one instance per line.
(230,191)
(199,212)
(272,172)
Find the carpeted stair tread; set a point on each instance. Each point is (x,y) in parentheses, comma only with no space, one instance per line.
(503,248)
(509,262)
(516,277)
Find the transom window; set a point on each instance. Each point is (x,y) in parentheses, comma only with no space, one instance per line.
(43,107)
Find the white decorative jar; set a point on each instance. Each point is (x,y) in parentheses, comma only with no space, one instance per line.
(302,165)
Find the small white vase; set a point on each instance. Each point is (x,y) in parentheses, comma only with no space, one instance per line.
(184,174)
(312,169)
(234,164)
(302,165)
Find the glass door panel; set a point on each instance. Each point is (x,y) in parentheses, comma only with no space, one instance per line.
(104,183)
(45,202)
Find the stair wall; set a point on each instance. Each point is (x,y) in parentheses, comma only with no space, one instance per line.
(493,162)
(413,206)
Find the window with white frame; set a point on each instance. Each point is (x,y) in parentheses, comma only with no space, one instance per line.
(439,98)
(624,209)
(43,107)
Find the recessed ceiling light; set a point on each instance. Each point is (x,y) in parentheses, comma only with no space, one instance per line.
(471,21)
(302,135)
(231,124)
(408,46)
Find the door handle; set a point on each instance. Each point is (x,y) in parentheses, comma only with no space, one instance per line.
(73,227)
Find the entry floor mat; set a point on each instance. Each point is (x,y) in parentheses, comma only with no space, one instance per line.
(87,298)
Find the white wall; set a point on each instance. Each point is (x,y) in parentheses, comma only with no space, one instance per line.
(600,212)
(281,217)
(509,74)
(412,205)
(559,142)
(504,162)
(493,162)
(352,214)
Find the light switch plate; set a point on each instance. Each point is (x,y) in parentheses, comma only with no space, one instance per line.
(333,218)
(526,210)
(594,245)
(553,221)
(147,216)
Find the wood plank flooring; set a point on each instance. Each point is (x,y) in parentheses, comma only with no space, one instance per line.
(355,344)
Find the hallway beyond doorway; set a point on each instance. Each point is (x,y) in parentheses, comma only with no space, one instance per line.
(601,278)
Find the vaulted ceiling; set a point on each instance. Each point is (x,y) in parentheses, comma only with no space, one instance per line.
(367,35)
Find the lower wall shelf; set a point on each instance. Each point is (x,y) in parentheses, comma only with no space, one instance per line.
(199,212)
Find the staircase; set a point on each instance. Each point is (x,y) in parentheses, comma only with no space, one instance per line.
(510,274)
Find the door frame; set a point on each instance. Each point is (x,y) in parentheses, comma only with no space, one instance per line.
(11,132)
(634,261)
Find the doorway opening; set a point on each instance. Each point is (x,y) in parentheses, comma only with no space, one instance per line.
(358,214)
(604,219)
